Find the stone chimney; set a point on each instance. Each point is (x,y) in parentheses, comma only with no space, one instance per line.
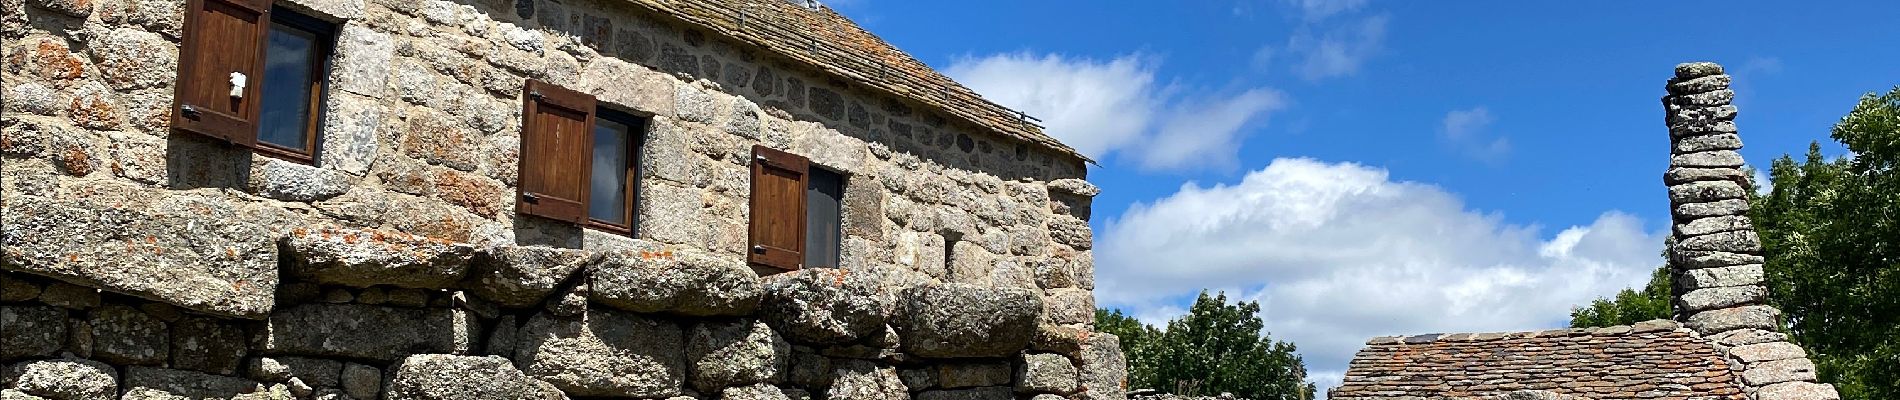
(1715,256)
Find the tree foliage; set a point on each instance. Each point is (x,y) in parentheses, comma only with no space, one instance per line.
(1629,306)
(1217,347)
(1831,232)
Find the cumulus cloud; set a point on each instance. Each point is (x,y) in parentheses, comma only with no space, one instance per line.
(1338,253)
(1116,106)
(1466,130)
(1339,50)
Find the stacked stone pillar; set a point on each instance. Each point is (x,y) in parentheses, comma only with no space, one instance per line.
(1716,256)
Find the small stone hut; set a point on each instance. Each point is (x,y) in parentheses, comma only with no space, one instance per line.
(524,199)
(1722,343)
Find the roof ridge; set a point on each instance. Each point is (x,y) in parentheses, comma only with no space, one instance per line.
(1651,326)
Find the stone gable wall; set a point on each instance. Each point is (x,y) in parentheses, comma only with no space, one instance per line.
(139,261)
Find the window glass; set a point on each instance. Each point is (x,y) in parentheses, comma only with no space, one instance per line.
(823,225)
(291,62)
(607,201)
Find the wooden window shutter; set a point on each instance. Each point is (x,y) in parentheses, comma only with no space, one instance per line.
(222,56)
(778,208)
(557,147)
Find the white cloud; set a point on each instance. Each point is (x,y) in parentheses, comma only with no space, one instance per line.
(1117,106)
(1320,9)
(1466,130)
(1339,50)
(1207,132)
(1339,253)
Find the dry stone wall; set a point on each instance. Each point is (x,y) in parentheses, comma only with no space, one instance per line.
(142,263)
(1716,255)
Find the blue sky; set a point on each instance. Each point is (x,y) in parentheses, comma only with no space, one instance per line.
(1383,167)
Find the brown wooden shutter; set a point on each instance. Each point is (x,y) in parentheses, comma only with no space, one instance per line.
(221,37)
(778,208)
(557,148)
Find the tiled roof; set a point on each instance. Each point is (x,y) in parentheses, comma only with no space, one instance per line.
(1651,360)
(831,43)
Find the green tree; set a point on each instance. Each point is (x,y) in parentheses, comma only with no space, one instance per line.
(1217,347)
(1629,306)
(1831,232)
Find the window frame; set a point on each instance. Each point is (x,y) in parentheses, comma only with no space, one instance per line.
(325,33)
(637,127)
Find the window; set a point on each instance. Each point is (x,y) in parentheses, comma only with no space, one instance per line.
(294,65)
(579,162)
(253,75)
(616,159)
(823,224)
(795,212)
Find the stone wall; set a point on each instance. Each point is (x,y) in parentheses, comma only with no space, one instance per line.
(168,262)
(365,314)
(1715,254)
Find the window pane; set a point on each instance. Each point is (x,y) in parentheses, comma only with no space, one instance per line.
(289,68)
(822,222)
(607,201)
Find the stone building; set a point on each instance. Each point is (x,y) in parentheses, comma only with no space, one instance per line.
(523,199)
(1722,343)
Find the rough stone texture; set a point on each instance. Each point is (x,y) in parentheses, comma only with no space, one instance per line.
(1045,373)
(736,353)
(66,295)
(863,380)
(69,378)
(1711,322)
(206,255)
(1103,368)
(1710,225)
(450,377)
(1743,337)
(13,290)
(1772,351)
(1068,307)
(973,374)
(31,331)
(753,392)
(1721,297)
(1724,207)
(1692,259)
(823,305)
(1738,275)
(361,381)
(365,331)
(1735,242)
(1772,372)
(521,276)
(127,336)
(312,371)
(284,180)
(1706,191)
(685,283)
(364,258)
(606,353)
(988,393)
(207,345)
(1797,391)
(143,383)
(960,320)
